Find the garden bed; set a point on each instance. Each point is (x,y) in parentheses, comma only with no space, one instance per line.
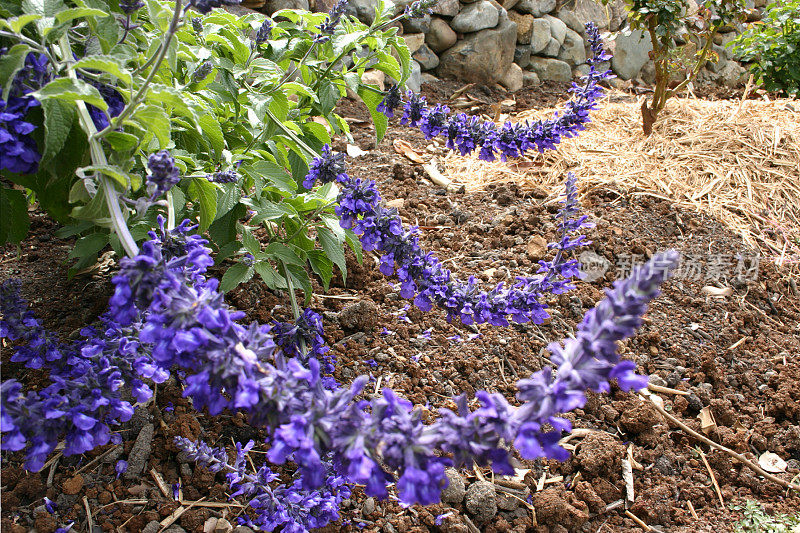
(735,355)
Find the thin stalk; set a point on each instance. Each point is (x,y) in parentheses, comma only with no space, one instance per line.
(99,158)
(170,211)
(292,135)
(308,220)
(116,122)
(290,287)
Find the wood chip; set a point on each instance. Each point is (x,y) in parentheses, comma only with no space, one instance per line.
(405,149)
(707,422)
(771,462)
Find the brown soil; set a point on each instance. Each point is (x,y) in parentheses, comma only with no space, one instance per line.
(752,389)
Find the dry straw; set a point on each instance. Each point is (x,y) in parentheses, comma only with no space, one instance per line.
(737,160)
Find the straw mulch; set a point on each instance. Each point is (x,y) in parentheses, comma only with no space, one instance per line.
(737,160)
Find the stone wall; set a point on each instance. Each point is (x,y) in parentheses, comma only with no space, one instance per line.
(523,42)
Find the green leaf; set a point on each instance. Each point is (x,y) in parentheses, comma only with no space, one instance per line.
(322,266)
(89,246)
(79,12)
(275,174)
(300,277)
(115,173)
(319,131)
(236,274)
(10,63)
(16,24)
(58,119)
(372,99)
(106,64)
(388,65)
(14,223)
(355,245)
(250,243)
(209,128)
(155,119)
(47,8)
(280,252)
(121,141)
(270,275)
(227,197)
(205,193)
(71,90)
(334,249)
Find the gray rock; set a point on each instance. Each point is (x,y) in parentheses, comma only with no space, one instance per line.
(242,529)
(389,528)
(540,35)
(360,316)
(414,82)
(271,6)
(175,529)
(483,56)
(507,5)
(580,70)
(572,21)
(530,79)
(481,501)
(717,63)
(552,49)
(550,69)
(140,452)
(558,30)
(631,51)
(363,10)
(522,55)
(368,507)
(537,8)
(732,74)
(475,17)
(441,36)
(506,502)
(454,493)
(152,527)
(512,79)
(426,58)
(573,50)
(114,455)
(447,8)
(427,77)
(417,25)
(414,41)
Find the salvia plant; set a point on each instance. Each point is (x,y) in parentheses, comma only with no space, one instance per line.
(120,120)
(681,34)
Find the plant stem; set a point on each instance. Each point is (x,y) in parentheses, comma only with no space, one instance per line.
(99,159)
(292,135)
(749,464)
(116,122)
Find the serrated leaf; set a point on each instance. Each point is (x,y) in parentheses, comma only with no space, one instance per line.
(355,244)
(236,274)
(205,194)
(71,90)
(275,174)
(389,66)
(121,141)
(333,247)
(107,31)
(58,119)
(107,64)
(228,197)
(322,266)
(280,252)
(270,275)
(209,128)
(14,223)
(16,24)
(156,120)
(89,246)
(249,242)
(371,99)
(300,277)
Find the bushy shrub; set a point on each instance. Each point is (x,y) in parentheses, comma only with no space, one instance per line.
(772,46)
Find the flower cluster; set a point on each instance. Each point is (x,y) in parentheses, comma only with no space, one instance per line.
(420,8)
(130,6)
(468,134)
(303,339)
(112,97)
(205,6)
(18,150)
(225,176)
(327,28)
(427,282)
(293,507)
(202,71)
(327,168)
(85,397)
(263,33)
(163,173)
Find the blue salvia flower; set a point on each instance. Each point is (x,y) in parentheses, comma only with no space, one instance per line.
(112,97)
(205,6)
(391,101)
(163,173)
(328,26)
(121,467)
(130,6)
(263,33)
(202,71)
(420,8)
(225,176)
(197,25)
(303,339)
(327,168)
(467,134)
(18,151)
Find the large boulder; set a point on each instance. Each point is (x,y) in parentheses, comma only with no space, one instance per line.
(550,69)
(447,8)
(483,56)
(540,35)
(537,8)
(414,41)
(512,79)
(417,25)
(522,55)
(441,36)
(631,52)
(573,50)
(552,49)
(558,30)
(475,17)
(524,26)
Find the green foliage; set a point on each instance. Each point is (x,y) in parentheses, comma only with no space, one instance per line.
(772,45)
(264,110)
(757,521)
(668,22)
